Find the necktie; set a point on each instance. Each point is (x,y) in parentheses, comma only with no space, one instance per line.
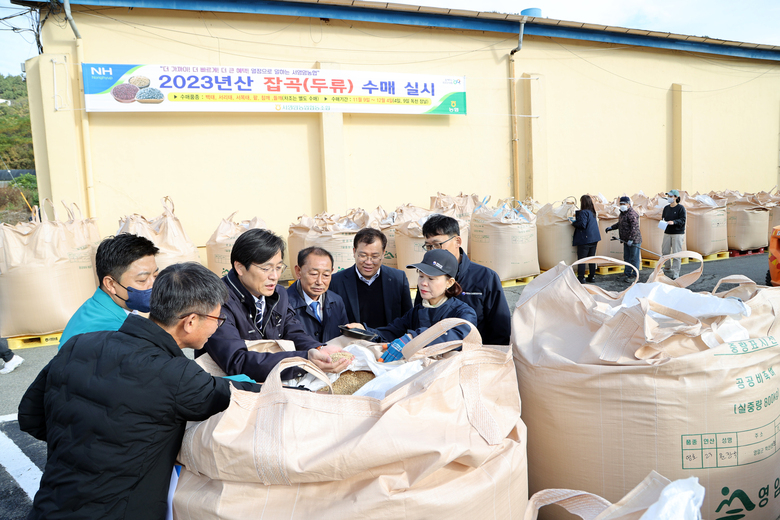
(260,304)
(314,307)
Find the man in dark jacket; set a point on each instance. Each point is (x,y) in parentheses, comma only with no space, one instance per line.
(373,294)
(482,289)
(112,406)
(257,308)
(628,231)
(320,311)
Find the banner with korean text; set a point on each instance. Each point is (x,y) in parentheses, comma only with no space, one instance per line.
(182,88)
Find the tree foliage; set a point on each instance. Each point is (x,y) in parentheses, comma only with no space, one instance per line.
(16,147)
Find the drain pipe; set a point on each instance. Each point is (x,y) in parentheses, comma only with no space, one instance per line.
(85,136)
(515,109)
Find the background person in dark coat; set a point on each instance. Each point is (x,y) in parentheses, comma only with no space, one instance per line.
(373,294)
(257,308)
(628,231)
(481,286)
(320,311)
(112,406)
(674,235)
(586,236)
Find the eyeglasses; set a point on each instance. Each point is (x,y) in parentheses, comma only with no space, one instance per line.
(374,258)
(266,269)
(436,245)
(220,319)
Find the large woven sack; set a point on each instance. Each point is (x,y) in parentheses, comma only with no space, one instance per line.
(46,273)
(504,239)
(705,224)
(84,230)
(336,234)
(748,221)
(409,242)
(220,244)
(166,232)
(772,202)
(446,443)
(462,205)
(555,233)
(609,398)
(296,239)
(652,236)
(386,222)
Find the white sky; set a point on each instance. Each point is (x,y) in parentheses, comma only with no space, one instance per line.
(754,21)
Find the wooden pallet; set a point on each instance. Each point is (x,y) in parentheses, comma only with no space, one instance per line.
(518,281)
(723,255)
(20,342)
(652,263)
(759,251)
(609,269)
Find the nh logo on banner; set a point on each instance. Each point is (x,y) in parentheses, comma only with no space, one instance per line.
(101,71)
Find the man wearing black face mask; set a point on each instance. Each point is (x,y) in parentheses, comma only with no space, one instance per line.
(126,269)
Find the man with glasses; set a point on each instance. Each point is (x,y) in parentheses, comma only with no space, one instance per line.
(373,294)
(481,285)
(112,406)
(258,308)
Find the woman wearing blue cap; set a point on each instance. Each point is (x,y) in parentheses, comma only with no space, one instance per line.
(438,290)
(674,234)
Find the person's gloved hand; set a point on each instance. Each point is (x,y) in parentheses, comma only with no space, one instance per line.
(630,242)
(394,348)
(607,230)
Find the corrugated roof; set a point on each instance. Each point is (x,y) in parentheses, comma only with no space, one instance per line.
(568,29)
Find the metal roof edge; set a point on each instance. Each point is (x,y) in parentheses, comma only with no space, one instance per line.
(389,13)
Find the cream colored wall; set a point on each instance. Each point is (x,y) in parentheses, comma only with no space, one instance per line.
(607,118)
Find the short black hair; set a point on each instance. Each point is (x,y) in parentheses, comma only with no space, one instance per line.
(256,246)
(183,289)
(115,254)
(368,236)
(303,254)
(440,225)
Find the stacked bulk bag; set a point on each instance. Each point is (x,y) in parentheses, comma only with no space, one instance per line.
(409,239)
(446,443)
(462,205)
(46,273)
(608,214)
(705,225)
(504,239)
(657,377)
(747,223)
(555,233)
(166,232)
(652,236)
(386,223)
(336,234)
(772,202)
(84,230)
(296,240)
(220,244)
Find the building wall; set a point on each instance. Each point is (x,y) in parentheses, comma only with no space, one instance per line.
(607,120)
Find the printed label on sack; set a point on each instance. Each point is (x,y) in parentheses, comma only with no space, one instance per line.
(728,449)
(737,348)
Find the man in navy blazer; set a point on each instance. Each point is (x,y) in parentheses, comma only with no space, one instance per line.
(319,311)
(373,294)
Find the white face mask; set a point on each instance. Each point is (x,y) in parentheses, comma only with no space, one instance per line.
(623,208)
(670,199)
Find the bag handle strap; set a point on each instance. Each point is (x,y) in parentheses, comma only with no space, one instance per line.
(581,503)
(230,217)
(737,279)
(167,204)
(273,383)
(683,281)
(436,350)
(45,217)
(69,210)
(472,340)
